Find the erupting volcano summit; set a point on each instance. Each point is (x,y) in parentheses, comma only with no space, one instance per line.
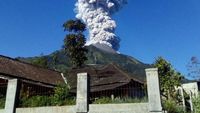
(97,16)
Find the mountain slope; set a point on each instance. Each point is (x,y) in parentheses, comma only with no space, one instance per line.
(58,61)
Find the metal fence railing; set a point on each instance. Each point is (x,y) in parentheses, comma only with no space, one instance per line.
(123,94)
(34,95)
(37,96)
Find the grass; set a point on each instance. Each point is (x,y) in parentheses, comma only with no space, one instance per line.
(39,101)
(2,103)
(196,103)
(107,100)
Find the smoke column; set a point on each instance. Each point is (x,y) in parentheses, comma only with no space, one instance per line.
(97,16)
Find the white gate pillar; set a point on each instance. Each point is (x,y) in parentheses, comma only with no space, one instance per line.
(82,93)
(153,89)
(11,96)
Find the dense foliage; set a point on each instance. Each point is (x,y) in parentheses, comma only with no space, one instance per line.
(61,93)
(108,100)
(74,43)
(40,61)
(61,62)
(2,102)
(196,103)
(169,78)
(172,107)
(60,97)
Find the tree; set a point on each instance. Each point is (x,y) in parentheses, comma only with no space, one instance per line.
(41,62)
(194,68)
(169,78)
(74,42)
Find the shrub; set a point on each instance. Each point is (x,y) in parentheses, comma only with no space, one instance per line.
(103,100)
(171,107)
(129,100)
(107,100)
(35,101)
(2,102)
(60,97)
(196,103)
(61,93)
(70,101)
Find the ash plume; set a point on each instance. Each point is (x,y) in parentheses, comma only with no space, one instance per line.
(97,16)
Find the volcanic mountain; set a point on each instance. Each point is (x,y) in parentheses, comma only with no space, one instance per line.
(96,56)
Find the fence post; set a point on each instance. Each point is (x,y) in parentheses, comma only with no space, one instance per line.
(82,105)
(153,88)
(11,96)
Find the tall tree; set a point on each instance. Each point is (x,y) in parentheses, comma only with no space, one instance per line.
(169,78)
(74,42)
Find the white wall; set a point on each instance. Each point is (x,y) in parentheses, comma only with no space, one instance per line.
(94,108)
(119,108)
(1,111)
(191,87)
(55,109)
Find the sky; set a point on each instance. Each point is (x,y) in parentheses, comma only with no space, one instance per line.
(147,28)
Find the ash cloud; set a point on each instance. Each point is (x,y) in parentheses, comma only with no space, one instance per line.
(97,16)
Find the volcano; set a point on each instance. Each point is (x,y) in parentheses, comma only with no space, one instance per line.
(97,55)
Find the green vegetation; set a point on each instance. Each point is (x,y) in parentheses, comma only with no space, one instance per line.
(40,61)
(60,97)
(2,102)
(74,43)
(169,79)
(172,107)
(108,100)
(196,103)
(59,61)
(38,101)
(35,101)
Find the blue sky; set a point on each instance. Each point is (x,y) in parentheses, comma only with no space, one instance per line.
(148,28)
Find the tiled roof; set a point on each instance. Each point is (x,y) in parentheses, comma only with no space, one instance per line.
(16,69)
(103,78)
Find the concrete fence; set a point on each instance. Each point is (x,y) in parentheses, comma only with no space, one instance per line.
(94,108)
(82,105)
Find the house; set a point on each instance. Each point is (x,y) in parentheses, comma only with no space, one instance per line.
(107,81)
(192,87)
(32,79)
